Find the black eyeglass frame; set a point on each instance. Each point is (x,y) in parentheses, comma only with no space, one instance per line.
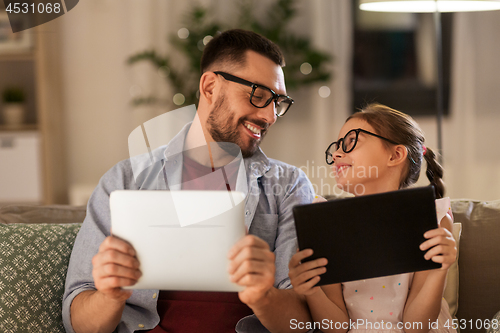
(341,143)
(254,86)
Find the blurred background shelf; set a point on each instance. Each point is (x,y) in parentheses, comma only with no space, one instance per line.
(21,167)
(32,159)
(17,56)
(21,128)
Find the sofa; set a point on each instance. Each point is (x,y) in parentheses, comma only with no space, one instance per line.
(36,243)
(35,246)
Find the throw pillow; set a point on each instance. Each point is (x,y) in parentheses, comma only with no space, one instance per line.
(33,263)
(494,324)
(451,291)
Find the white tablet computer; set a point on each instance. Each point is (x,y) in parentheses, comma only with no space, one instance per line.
(182,238)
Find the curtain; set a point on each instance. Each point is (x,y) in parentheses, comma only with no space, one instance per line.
(471,134)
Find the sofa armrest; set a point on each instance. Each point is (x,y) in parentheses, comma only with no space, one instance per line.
(42,214)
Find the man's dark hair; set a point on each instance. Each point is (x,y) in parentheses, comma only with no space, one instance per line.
(231,45)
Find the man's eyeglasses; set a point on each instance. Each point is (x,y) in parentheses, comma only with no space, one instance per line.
(348,142)
(261,96)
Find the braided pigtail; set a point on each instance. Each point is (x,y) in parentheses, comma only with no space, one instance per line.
(403,129)
(434,172)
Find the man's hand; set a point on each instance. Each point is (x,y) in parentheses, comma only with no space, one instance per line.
(252,266)
(115,266)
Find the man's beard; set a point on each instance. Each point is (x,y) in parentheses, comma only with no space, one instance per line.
(220,126)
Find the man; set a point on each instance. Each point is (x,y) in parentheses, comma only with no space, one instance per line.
(239,70)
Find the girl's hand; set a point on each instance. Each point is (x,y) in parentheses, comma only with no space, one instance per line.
(304,276)
(443,248)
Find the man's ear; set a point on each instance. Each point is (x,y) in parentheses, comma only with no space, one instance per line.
(208,86)
(398,156)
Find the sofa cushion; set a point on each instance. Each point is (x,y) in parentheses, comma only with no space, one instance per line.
(479,258)
(33,263)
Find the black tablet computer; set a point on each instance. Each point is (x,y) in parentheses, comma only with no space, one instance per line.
(368,236)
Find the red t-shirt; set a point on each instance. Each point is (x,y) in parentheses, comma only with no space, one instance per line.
(193,311)
(199,177)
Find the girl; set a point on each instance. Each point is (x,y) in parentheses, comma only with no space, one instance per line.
(390,145)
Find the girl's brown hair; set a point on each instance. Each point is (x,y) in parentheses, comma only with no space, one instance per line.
(401,128)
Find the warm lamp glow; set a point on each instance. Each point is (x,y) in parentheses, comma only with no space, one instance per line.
(428,6)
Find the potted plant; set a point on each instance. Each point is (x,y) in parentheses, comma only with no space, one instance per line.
(305,64)
(13,106)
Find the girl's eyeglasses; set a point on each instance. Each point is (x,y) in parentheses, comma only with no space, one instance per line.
(348,142)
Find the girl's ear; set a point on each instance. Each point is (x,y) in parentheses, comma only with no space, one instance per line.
(398,156)
(208,84)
